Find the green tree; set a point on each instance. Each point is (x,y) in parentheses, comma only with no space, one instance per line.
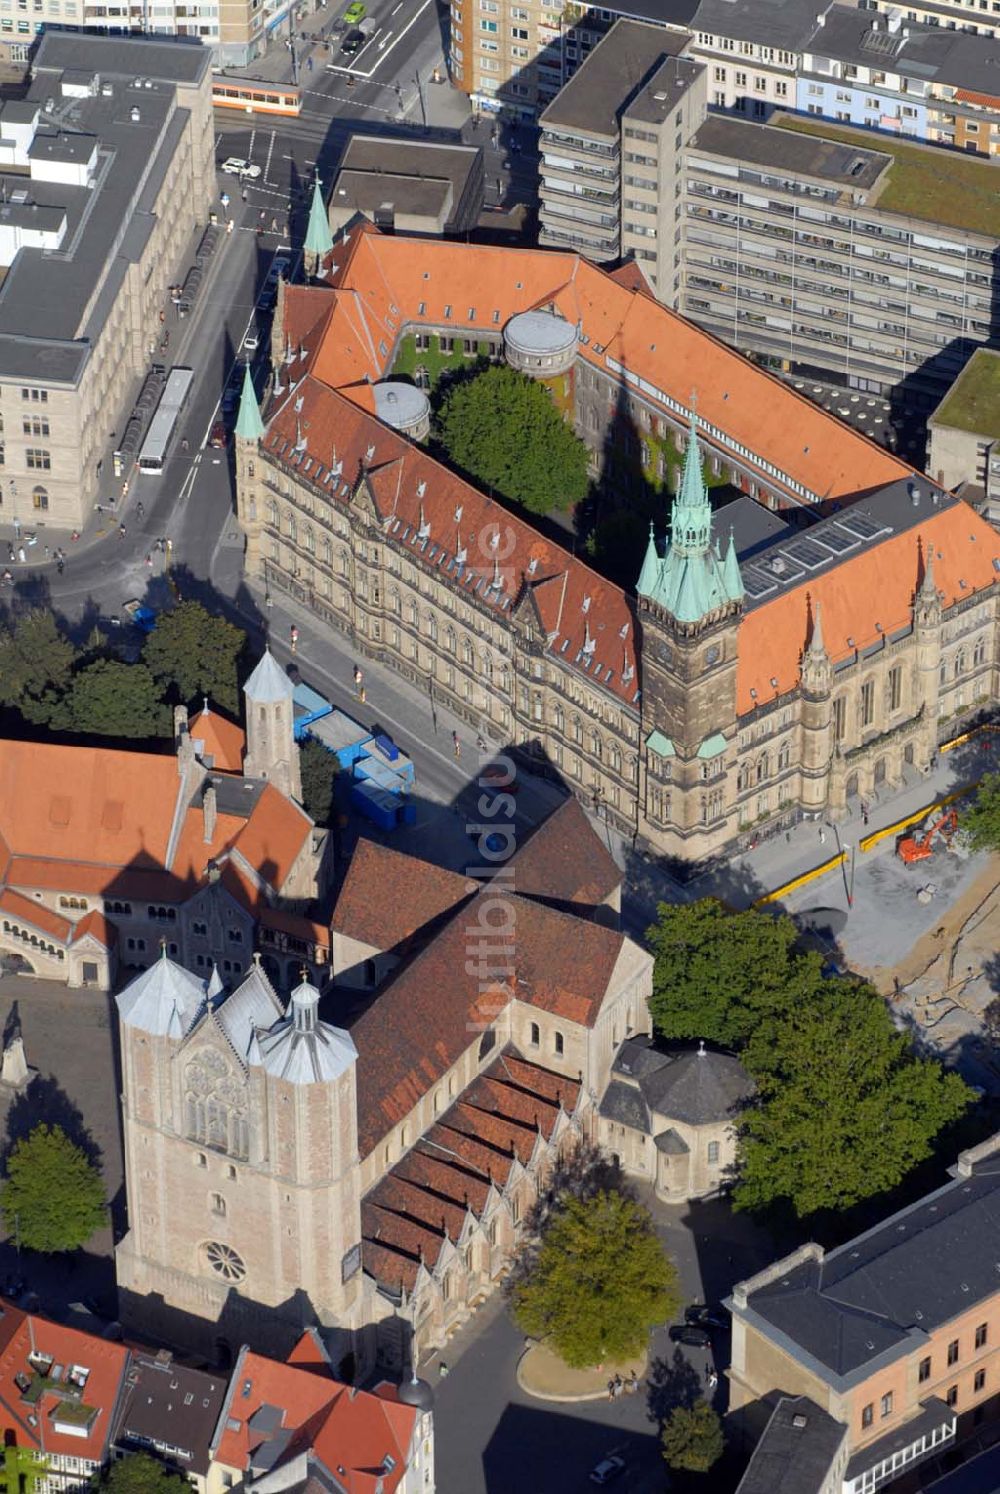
(35,665)
(980,819)
(991,1021)
(845,1109)
(193,652)
(53,1196)
(116,700)
(692,1438)
(319,768)
(141,1473)
(597,1281)
(21,1470)
(718,973)
(506,431)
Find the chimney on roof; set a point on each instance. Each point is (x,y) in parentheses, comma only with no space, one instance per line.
(209,809)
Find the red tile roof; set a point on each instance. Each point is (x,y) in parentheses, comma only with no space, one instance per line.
(426,1197)
(97,926)
(220,739)
(388,898)
(863,600)
(352,1433)
(27,911)
(420,1023)
(92,1373)
(562,861)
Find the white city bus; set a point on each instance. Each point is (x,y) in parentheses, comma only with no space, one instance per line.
(153,455)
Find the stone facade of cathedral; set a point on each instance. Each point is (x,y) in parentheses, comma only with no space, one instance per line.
(759,672)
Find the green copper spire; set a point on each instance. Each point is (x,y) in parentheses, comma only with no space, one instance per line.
(731,572)
(650,568)
(319,239)
(248,423)
(691,580)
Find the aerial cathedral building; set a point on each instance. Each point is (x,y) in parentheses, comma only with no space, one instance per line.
(807,645)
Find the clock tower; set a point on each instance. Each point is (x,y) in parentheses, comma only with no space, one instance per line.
(690,601)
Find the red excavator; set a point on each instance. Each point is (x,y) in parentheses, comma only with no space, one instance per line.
(920,847)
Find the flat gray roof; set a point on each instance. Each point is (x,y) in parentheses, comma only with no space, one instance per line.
(880,1295)
(369,192)
(773,23)
(797,1450)
(658,98)
(618,67)
(166,60)
(46,293)
(849,166)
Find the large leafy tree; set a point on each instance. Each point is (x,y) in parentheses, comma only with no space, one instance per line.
(318,769)
(53,1196)
(140,1473)
(193,652)
(597,1281)
(845,1110)
(692,1438)
(980,819)
(718,973)
(505,430)
(116,700)
(35,665)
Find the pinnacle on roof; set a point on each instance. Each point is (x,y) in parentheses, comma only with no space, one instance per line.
(249,425)
(691,580)
(319,239)
(162,1000)
(268,683)
(816,646)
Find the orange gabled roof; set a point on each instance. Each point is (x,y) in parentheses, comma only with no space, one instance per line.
(221,740)
(23,908)
(96,926)
(864,600)
(101,1363)
(387,897)
(384,280)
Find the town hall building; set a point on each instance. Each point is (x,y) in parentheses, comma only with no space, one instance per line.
(809,644)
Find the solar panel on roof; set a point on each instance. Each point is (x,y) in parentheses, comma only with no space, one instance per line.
(809,554)
(756,585)
(837,540)
(862,525)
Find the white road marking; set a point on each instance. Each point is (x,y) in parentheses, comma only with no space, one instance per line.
(384,40)
(270,149)
(335,67)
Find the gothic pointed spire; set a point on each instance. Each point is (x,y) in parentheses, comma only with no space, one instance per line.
(319,239)
(928,589)
(650,567)
(248,423)
(817,648)
(731,576)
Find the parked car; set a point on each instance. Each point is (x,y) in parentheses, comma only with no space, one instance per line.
(355,12)
(353,42)
(219,436)
(690,1333)
(707,1317)
(237,166)
(251,342)
(607,1470)
(277,267)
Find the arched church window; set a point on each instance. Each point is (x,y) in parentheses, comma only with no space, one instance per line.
(225,1261)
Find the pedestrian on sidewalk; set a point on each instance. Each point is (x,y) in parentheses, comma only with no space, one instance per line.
(294,636)
(456,744)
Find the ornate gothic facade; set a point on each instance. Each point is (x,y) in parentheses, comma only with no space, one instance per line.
(751,679)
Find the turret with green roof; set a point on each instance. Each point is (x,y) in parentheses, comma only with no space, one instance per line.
(691,581)
(319,239)
(249,424)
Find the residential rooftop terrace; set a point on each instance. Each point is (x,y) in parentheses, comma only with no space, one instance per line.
(923,181)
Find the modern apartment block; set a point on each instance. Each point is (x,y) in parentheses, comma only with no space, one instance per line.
(819,249)
(894,1334)
(517,57)
(106,169)
(236,30)
(609,156)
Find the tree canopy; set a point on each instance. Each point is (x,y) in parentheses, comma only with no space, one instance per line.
(717,973)
(980,819)
(53,1196)
(115,699)
(192,652)
(35,665)
(692,1438)
(506,431)
(318,768)
(845,1109)
(141,1473)
(597,1281)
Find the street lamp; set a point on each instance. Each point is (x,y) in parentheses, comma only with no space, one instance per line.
(849,882)
(13,514)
